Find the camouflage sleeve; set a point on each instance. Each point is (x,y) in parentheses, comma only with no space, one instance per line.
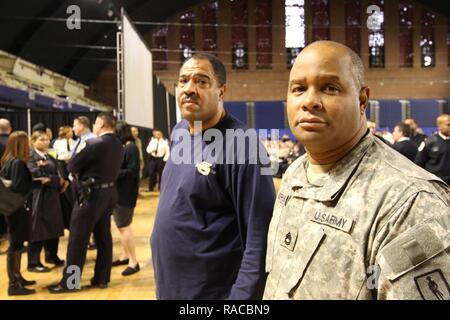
(416,263)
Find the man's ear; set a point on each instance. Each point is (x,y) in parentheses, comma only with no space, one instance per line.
(223,89)
(364,95)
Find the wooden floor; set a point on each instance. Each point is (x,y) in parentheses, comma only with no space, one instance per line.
(139,286)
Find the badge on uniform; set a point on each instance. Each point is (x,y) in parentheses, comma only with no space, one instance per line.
(433,285)
(288,238)
(204,168)
(435,149)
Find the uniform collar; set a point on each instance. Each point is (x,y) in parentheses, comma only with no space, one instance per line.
(328,188)
(41,154)
(442,136)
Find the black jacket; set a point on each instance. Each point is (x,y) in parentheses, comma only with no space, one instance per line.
(46,215)
(101,159)
(406,148)
(3,140)
(128,181)
(434,156)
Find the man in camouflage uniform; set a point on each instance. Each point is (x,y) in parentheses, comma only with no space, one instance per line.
(353,219)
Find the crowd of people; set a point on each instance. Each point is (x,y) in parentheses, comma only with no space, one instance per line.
(42,169)
(431,153)
(353,217)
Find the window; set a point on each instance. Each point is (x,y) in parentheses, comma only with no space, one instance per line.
(187,35)
(376,37)
(159,51)
(209,21)
(448,43)
(353,25)
(264,34)
(295,29)
(239,33)
(427,48)
(406,34)
(320,20)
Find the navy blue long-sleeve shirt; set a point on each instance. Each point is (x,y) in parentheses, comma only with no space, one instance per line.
(210,233)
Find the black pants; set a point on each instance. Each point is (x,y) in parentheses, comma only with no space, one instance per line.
(92,216)
(18,228)
(35,248)
(2,225)
(155,169)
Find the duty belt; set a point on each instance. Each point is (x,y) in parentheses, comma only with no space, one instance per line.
(103,185)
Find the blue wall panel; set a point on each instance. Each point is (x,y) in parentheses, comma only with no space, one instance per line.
(390,113)
(425,112)
(237,110)
(269,114)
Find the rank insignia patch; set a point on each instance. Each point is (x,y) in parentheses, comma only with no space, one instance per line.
(288,238)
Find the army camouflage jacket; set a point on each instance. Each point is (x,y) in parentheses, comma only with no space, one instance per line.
(376,227)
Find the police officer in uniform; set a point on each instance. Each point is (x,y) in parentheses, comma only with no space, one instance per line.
(353,218)
(434,152)
(96,166)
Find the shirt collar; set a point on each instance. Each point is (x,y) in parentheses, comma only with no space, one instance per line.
(41,154)
(328,188)
(403,139)
(442,136)
(103,133)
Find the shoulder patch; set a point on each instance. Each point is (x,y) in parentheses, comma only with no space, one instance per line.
(409,250)
(433,285)
(422,146)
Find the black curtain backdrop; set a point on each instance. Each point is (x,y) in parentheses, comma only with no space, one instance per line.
(160,106)
(172,111)
(51,119)
(56,119)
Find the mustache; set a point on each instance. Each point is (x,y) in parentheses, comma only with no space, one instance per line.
(190,99)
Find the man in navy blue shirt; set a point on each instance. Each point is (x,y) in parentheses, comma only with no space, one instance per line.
(210,233)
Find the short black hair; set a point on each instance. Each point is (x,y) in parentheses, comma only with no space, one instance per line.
(39,127)
(123,132)
(218,66)
(404,128)
(108,120)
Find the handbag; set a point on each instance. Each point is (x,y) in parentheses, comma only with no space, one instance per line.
(10,201)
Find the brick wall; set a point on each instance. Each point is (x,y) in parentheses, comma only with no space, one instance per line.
(391,82)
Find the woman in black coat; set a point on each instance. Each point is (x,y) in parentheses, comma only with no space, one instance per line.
(46,218)
(128,189)
(14,168)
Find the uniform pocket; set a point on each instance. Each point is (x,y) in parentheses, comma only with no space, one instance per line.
(303,253)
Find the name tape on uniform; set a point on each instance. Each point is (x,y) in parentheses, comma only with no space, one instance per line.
(333,221)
